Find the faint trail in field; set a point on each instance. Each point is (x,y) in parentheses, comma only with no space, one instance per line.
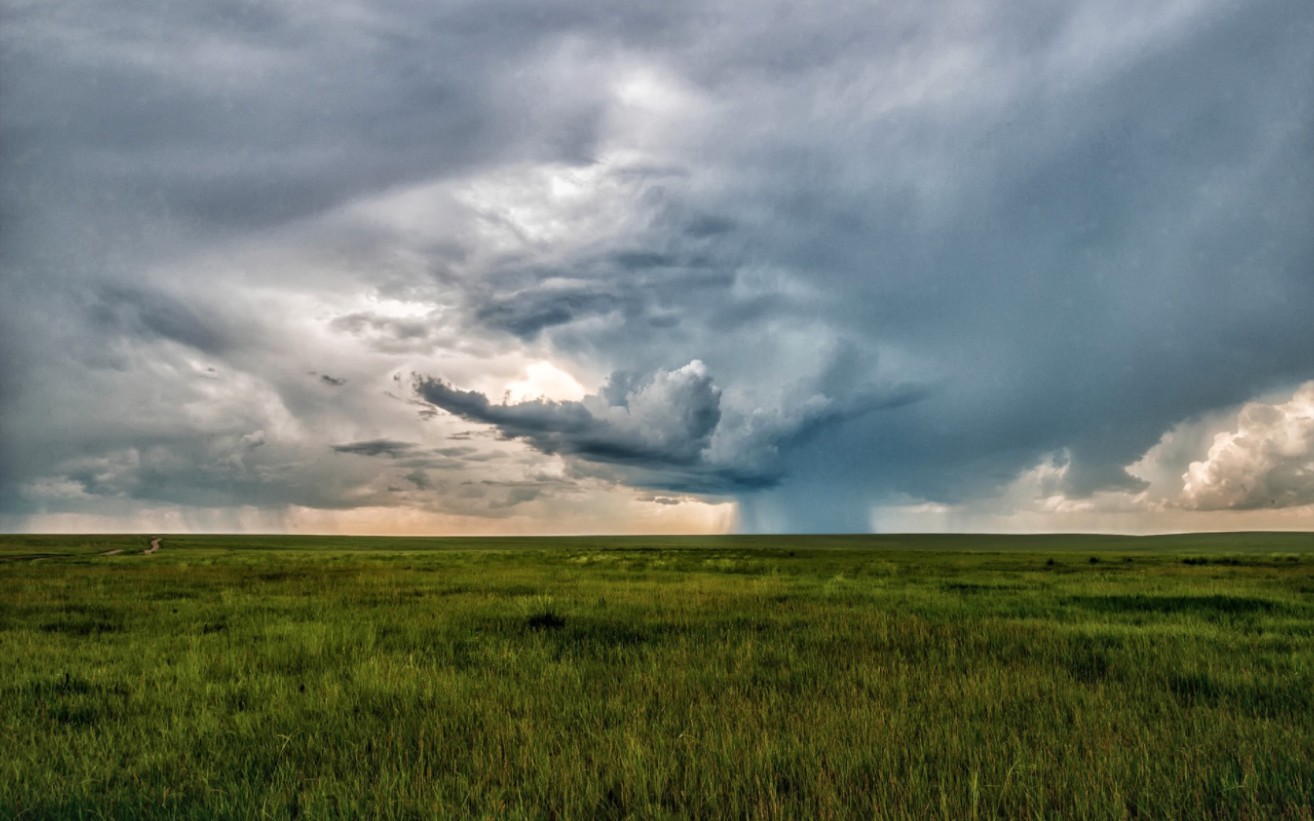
(155,546)
(112,552)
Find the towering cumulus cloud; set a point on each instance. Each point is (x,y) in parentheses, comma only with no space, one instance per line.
(1266,461)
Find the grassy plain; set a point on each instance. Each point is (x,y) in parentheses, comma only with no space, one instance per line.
(736,677)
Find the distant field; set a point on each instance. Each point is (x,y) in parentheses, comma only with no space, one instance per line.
(745,677)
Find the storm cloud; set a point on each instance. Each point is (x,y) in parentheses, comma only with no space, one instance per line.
(669,427)
(377,447)
(830,266)
(667,419)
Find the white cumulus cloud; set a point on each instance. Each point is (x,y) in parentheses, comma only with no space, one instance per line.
(1265,461)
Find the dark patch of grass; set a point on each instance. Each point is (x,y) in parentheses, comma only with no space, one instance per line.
(1210,605)
(81,627)
(605,636)
(511,590)
(67,684)
(70,700)
(454,590)
(214,626)
(275,576)
(545,620)
(974,587)
(1089,659)
(173,594)
(84,620)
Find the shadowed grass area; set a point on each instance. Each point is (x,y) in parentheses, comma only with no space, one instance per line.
(827,677)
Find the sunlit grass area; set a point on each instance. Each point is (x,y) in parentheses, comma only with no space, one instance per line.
(802,677)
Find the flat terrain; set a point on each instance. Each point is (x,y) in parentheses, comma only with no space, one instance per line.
(737,677)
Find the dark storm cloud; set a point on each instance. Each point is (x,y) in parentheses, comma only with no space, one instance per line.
(377,447)
(220,470)
(235,115)
(661,500)
(922,247)
(669,427)
(631,284)
(133,311)
(1080,254)
(525,314)
(667,420)
(412,455)
(420,479)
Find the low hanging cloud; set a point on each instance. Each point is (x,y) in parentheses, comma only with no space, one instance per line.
(665,421)
(671,428)
(1265,461)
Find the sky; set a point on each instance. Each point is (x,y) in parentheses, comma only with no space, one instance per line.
(568,266)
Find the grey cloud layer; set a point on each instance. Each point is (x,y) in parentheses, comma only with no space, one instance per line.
(920,247)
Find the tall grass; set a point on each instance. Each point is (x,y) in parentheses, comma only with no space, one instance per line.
(658,678)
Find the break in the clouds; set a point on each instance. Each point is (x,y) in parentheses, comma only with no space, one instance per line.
(562,266)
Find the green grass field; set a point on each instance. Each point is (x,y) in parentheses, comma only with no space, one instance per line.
(740,677)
